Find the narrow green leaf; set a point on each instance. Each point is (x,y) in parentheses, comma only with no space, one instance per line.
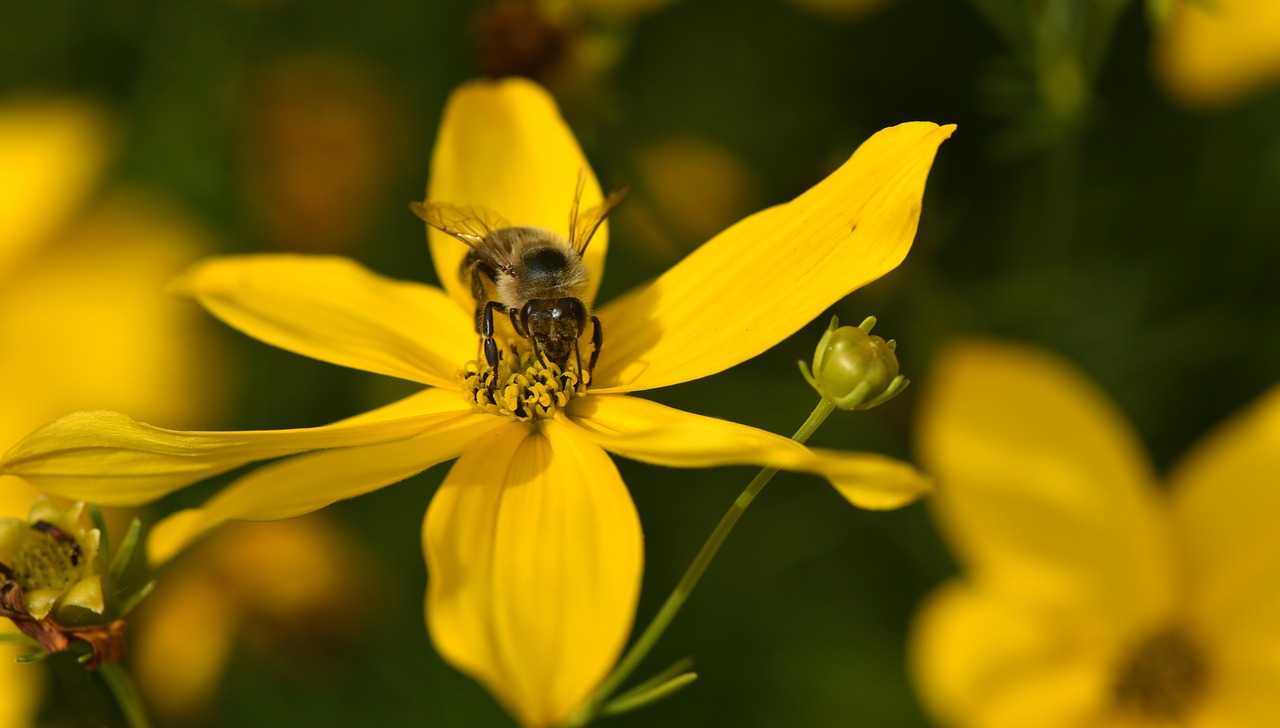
(137,597)
(640,698)
(127,548)
(100,523)
(18,638)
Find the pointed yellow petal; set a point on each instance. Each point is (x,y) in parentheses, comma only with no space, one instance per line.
(1042,488)
(309,482)
(758,282)
(104,457)
(53,152)
(534,556)
(503,145)
(654,433)
(978,660)
(332,309)
(1226,499)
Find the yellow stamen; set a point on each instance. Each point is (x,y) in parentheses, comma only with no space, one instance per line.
(522,387)
(1163,679)
(46,562)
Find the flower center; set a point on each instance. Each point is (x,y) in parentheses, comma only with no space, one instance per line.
(1163,678)
(49,559)
(522,387)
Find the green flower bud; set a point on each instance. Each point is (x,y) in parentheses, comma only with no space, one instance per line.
(853,369)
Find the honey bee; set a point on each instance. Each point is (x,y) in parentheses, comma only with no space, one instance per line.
(531,274)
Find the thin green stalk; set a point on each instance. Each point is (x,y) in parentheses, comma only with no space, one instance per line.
(630,661)
(125,693)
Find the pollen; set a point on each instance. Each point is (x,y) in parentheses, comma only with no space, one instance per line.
(47,562)
(522,387)
(1163,679)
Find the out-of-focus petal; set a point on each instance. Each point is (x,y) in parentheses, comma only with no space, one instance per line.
(693,189)
(534,555)
(1214,53)
(1042,488)
(309,482)
(983,662)
(273,583)
(654,433)
(762,279)
(106,458)
(53,152)
(335,310)
(1226,501)
(182,642)
(88,325)
(1242,691)
(503,145)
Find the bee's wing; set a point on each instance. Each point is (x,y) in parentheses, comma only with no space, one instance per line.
(583,226)
(474,225)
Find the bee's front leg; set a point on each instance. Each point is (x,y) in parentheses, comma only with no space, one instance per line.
(597,340)
(486,330)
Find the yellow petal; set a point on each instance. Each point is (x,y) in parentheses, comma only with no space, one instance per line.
(41,601)
(1042,488)
(1242,692)
(534,554)
(654,433)
(181,642)
(310,482)
(106,458)
(758,282)
(88,324)
(1226,499)
(1213,53)
(86,595)
(332,309)
(53,152)
(503,145)
(978,660)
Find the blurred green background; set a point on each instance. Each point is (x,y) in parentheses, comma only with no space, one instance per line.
(1093,215)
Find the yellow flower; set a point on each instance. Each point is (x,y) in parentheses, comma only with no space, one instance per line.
(51,586)
(53,558)
(1214,52)
(1090,597)
(82,319)
(532,543)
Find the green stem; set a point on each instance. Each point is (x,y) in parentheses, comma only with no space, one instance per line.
(125,693)
(629,662)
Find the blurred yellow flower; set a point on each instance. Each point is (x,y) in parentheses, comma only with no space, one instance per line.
(532,543)
(1090,597)
(690,188)
(294,581)
(1214,52)
(83,320)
